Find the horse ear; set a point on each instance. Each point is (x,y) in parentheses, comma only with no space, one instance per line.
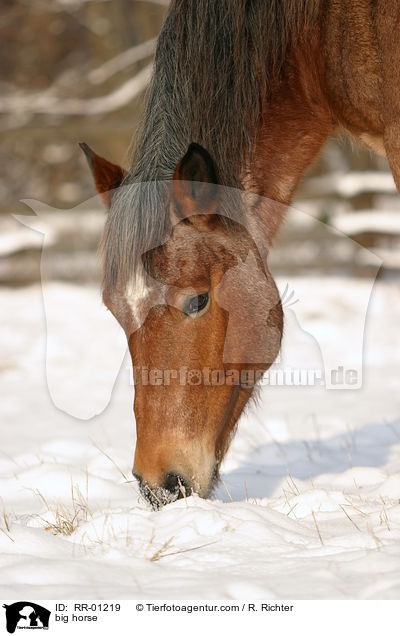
(195,182)
(107,176)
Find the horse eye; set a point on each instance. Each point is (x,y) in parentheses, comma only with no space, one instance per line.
(195,304)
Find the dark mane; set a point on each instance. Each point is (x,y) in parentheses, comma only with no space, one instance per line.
(216,61)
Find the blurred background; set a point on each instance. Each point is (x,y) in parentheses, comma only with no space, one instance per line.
(76,70)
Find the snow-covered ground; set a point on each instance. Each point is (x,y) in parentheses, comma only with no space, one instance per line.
(309,503)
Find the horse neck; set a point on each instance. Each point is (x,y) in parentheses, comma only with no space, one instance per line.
(296,122)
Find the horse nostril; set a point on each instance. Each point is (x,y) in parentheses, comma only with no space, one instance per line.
(176,484)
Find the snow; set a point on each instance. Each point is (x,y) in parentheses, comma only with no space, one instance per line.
(308,506)
(385,222)
(349,184)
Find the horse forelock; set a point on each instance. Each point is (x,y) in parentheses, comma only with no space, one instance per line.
(131,233)
(135,293)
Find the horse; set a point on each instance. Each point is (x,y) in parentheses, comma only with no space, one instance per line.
(242,98)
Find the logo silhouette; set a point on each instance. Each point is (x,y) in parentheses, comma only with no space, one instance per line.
(26,615)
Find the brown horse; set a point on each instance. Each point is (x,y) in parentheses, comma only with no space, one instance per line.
(244,94)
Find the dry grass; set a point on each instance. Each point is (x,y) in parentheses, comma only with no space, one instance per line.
(6,522)
(378,542)
(66,518)
(292,485)
(383,516)
(350,503)
(316,525)
(350,519)
(357,487)
(291,508)
(66,521)
(161,552)
(226,488)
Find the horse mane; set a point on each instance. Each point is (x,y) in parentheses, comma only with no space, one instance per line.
(216,63)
